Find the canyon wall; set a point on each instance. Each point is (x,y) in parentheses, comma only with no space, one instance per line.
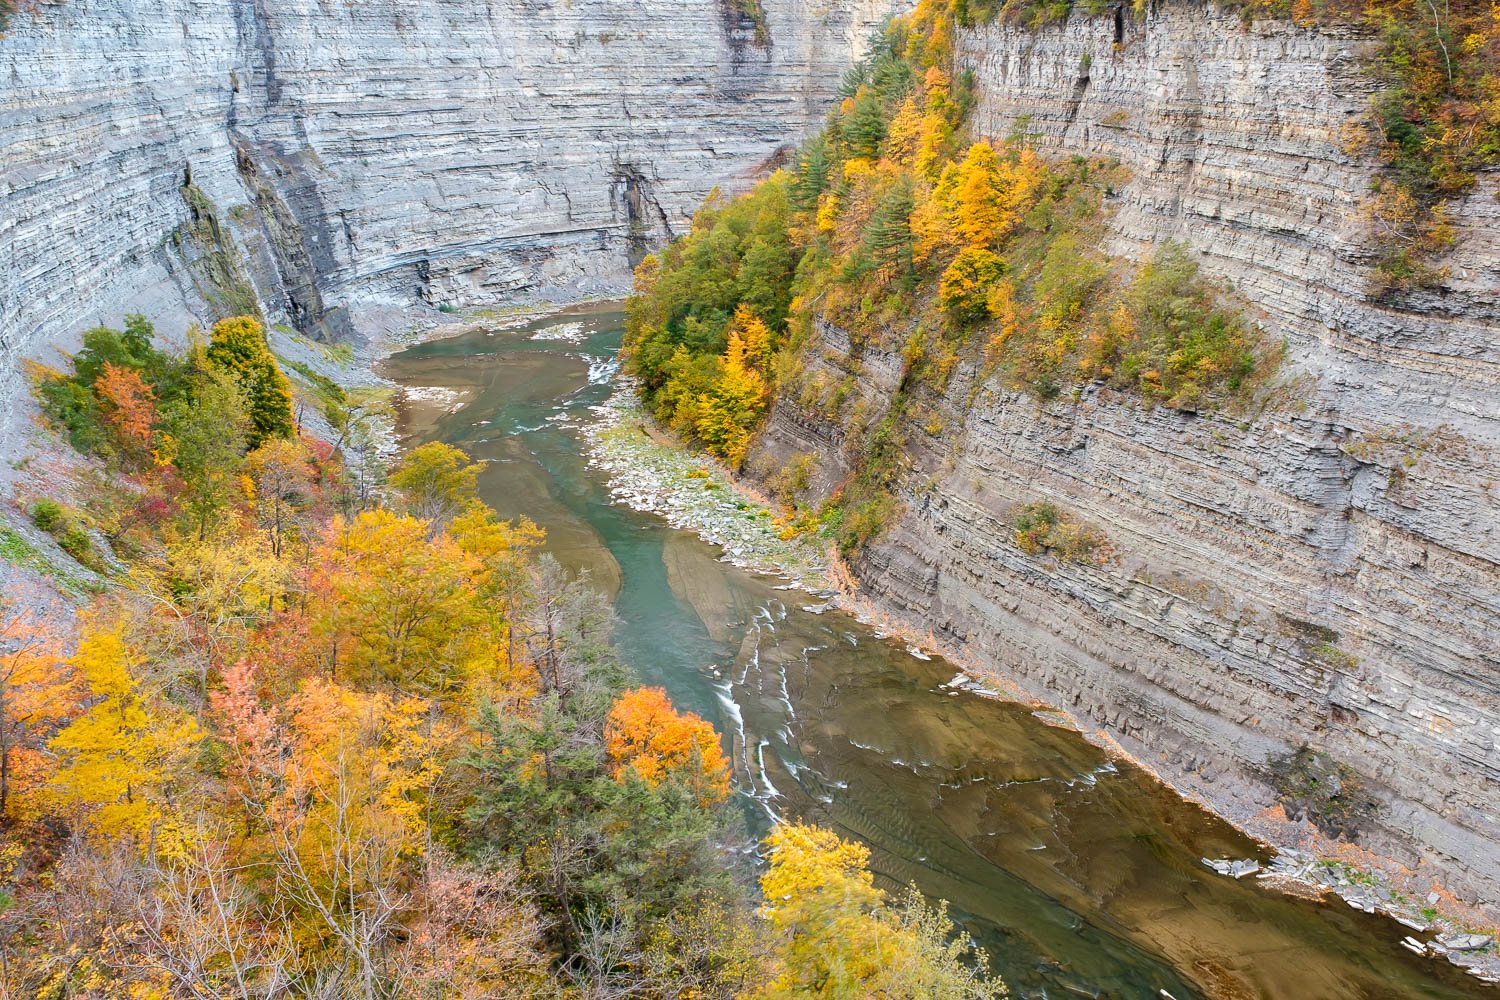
(1320,574)
(1324,573)
(332,160)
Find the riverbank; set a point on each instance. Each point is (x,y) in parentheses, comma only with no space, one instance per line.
(649,470)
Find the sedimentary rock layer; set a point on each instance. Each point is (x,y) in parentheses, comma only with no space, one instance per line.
(1324,573)
(359,155)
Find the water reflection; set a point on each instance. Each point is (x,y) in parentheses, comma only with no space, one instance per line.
(1081,878)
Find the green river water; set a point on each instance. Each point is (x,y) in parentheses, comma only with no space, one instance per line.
(1081,878)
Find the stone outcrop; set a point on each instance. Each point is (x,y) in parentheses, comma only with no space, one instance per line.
(1324,573)
(357,156)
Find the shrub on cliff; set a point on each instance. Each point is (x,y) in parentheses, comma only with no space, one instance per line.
(1044,527)
(68,529)
(964,290)
(1168,338)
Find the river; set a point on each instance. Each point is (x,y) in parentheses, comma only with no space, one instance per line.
(1080,877)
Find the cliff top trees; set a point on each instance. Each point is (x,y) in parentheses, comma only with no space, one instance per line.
(238,347)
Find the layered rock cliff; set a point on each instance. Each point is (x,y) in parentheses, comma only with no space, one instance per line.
(1320,574)
(179,158)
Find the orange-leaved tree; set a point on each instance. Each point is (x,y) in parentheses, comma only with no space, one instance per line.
(129,408)
(36,695)
(645,734)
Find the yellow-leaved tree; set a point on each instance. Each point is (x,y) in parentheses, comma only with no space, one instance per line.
(363,766)
(985,196)
(125,764)
(437,481)
(506,551)
(395,605)
(839,937)
(727,413)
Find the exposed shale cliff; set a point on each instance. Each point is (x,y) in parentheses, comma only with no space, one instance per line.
(1320,576)
(183,158)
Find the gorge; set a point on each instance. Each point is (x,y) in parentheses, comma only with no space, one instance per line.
(1079,874)
(1302,594)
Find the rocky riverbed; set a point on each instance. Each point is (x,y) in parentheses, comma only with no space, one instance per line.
(646,472)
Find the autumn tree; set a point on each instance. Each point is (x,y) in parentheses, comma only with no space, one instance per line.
(985,196)
(645,734)
(281,476)
(238,347)
(839,936)
(219,592)
(729,411)
(36,696)
(437,482)
(334,788)
(506,550)
(204,437)
(393,604)
(383,752)
(964,289)
(129,408)
(124,763)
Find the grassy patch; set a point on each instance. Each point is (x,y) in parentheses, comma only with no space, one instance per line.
(17,550)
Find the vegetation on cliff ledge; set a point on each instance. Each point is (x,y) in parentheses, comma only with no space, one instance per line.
(1435,122)
(901,228)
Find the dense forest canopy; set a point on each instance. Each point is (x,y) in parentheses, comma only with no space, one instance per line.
(311,739)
